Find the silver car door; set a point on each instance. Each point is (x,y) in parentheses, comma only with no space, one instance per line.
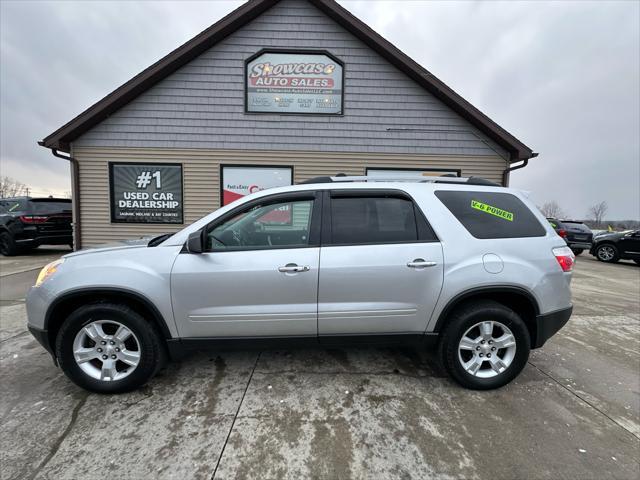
(258,275)
(381,266)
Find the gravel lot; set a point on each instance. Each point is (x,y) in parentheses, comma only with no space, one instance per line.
(349,413)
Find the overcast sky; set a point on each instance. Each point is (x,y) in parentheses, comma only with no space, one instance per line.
(564,77)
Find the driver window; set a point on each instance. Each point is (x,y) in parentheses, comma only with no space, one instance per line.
(274,225)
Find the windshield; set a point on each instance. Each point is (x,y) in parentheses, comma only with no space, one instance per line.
(39,207)
(577,226)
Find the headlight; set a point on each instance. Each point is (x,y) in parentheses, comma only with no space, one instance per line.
(47,271)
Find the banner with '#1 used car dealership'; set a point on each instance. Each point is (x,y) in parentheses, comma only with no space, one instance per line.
(146,193)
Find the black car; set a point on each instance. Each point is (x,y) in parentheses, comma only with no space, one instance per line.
(27,223)
(578,236)
(614,246)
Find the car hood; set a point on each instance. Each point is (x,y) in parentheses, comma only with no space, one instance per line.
(609,236)
(109,247)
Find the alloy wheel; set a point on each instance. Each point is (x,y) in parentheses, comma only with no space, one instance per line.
(106,350)
(487,349)
(606,253)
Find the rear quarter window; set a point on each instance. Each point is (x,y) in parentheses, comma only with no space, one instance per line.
(10,206)
(491,214)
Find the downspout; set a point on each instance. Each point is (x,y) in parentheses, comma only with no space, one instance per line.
(75,193)
(505,173)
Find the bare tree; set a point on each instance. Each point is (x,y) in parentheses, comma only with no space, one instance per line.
(597,212)
(10,187)
(552,210)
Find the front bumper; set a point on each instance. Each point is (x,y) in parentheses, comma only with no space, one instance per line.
(548,324)
(37,303)
(42,336)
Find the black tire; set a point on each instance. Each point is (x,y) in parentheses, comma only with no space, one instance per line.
(608,253)
(152,351)
(464,318)
(577,251)
(8,246)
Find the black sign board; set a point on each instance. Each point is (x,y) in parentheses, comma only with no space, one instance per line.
(146,192)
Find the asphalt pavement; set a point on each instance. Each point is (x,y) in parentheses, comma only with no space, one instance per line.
(35,260)
(574,412)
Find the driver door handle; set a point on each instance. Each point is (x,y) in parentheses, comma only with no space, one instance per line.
(420,263)
(293,268)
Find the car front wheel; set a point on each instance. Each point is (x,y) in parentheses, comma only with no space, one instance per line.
(607,253)
(108,348)
(485,345)
(577,251)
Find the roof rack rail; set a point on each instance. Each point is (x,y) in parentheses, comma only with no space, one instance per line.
(341,178)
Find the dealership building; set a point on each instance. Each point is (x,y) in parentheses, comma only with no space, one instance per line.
(275,93)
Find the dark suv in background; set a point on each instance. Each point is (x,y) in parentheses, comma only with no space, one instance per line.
(613,246)
(578,236)
(27,223)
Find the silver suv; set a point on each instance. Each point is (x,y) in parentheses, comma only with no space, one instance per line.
(463,265)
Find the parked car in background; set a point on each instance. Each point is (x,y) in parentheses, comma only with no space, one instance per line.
(332,261)
(614,246)
(577,235)
(27,223)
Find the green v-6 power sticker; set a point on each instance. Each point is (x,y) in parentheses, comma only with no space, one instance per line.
(495,211)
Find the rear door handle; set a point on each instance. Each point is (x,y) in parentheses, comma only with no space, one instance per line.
(293,268)
(420,263)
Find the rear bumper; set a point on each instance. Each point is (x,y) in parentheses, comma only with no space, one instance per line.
(548,324)
(62,239)
(582,245)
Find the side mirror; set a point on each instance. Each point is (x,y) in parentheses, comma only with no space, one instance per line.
(194,242)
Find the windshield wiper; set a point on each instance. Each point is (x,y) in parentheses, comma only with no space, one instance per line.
(159,239)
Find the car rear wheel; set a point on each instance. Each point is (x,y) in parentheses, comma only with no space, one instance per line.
(109,348)
(577,251)
(485,345)
(7,244)
(607,253)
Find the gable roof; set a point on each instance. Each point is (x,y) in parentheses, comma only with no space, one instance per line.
(63,136)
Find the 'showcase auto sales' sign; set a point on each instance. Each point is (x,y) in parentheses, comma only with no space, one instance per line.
(146,192)
(294,83)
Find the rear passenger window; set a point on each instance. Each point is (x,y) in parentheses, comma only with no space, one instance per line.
(492,214)
(366,220)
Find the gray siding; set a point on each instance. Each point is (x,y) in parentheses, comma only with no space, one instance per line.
(202,104)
